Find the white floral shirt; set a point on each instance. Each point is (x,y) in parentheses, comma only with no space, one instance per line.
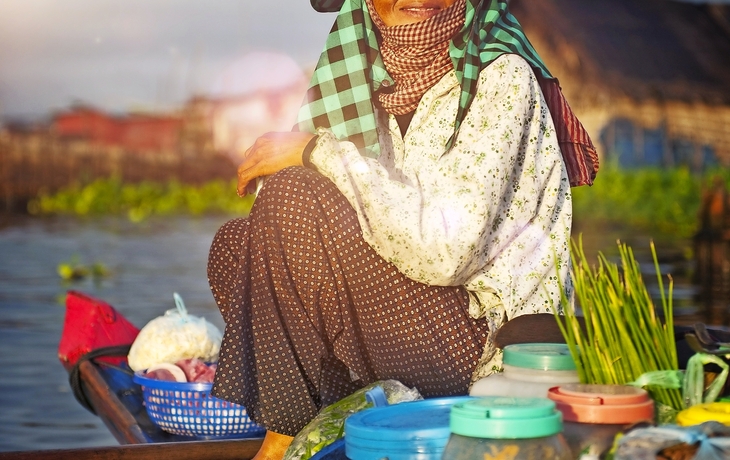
(492,214)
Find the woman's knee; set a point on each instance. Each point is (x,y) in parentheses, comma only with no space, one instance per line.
(227,245)
(289,183)
(230,234)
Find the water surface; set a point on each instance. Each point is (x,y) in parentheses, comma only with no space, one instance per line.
(147,263)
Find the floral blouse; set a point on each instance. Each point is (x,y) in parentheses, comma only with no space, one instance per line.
(492,214)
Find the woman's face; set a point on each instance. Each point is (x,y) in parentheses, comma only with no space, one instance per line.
(400,12)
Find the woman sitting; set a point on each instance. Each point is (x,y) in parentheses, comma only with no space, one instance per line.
(422,202)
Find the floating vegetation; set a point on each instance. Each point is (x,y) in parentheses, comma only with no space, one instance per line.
(661,200)
(139,201)
(73,270)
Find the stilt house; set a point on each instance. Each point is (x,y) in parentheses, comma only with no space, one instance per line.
(650,79)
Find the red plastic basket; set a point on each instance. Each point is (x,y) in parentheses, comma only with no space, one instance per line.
(188,409)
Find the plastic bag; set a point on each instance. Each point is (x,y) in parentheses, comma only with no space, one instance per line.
(91,324)
(646,443)
(694,379)
(329,425)
(175,336)
(671,379)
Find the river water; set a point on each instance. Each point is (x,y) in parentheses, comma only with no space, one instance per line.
(147,262)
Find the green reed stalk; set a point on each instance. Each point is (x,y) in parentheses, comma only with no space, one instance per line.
(624,336)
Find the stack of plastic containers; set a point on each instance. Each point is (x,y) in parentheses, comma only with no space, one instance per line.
(417,430)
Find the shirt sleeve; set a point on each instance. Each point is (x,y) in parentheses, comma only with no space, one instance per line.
(443,218)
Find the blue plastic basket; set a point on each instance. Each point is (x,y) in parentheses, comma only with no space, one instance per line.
(188,409)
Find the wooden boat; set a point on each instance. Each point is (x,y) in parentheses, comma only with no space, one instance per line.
(108,391)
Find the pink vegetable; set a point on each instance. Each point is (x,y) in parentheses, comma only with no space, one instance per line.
(196,370)
(161,374)
(192,370)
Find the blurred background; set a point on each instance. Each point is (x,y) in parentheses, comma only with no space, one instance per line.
(121,125)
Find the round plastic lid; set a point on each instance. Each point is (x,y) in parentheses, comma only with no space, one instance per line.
(604,404)
(400,430)
(695,415)
(544,356)
(495,417)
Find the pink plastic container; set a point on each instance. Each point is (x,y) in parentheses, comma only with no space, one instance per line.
(594,414)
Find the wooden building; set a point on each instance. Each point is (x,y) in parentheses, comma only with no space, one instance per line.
(202,140)
(650,79)
(156,134)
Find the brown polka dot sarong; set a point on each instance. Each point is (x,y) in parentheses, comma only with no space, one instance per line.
(313,313)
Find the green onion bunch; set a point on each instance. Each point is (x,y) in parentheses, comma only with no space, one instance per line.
(622,336)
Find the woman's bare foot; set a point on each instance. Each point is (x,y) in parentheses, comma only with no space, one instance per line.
(273,447)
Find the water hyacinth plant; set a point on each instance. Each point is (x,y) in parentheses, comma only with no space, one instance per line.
(141,200)
(623,337)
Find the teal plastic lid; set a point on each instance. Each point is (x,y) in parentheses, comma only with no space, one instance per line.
(496,417)
(543,356)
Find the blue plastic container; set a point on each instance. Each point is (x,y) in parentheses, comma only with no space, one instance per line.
(417,430)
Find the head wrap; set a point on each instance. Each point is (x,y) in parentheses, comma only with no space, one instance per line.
(351,69)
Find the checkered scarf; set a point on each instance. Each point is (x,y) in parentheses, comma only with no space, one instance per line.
(416,55)
(351,70)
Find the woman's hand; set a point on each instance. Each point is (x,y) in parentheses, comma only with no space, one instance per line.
(271,153)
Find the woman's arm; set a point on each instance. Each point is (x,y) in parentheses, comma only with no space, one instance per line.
(271,153)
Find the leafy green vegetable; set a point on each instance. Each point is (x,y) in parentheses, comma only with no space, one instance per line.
(624,336)
(329,425)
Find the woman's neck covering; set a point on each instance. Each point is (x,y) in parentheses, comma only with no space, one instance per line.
(351,69)
(416,55)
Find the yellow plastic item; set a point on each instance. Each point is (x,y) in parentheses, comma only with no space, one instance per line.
(700,413)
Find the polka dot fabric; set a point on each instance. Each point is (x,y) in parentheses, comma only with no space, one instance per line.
(313,313)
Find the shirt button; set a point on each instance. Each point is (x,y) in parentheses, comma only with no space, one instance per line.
(385,83)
